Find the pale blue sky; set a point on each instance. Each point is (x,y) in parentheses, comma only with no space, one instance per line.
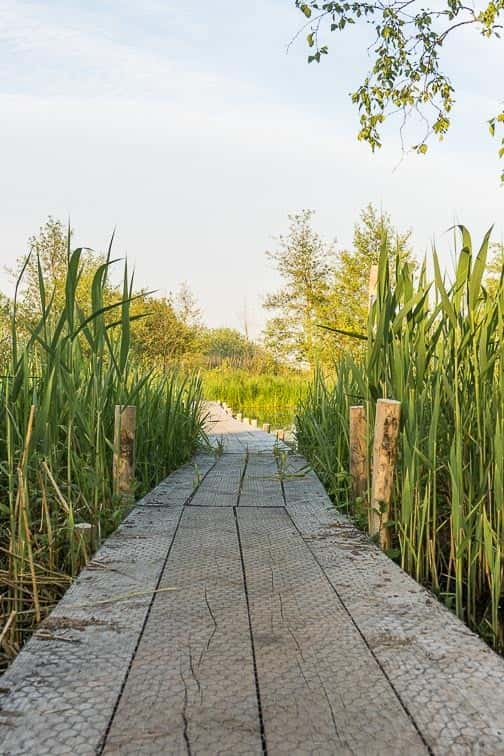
(188,127)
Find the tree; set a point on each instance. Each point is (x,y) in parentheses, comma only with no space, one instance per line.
(220,345)
(49,250)
(305,264)
(161,331)
(5,332)
(160,338)
(495,269)
(186,306)
(347,308)
(406,74)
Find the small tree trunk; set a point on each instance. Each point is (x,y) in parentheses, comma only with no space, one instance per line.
(373,284)
(388,413)
(124,450)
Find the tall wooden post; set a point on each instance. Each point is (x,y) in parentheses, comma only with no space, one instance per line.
(124,450)
(358,451)
(386,434)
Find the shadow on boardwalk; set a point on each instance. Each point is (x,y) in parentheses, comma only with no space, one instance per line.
(234,611)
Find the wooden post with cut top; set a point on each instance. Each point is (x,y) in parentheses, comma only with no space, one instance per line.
(386,434)
(358,451)
(124,450)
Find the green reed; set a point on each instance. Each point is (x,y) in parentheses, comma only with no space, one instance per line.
(438,348)
(68,368)
(269,398)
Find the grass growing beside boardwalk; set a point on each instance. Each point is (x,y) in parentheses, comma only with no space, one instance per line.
(66,372)
(439,350)
(268,397)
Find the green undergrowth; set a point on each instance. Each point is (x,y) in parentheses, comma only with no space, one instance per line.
(438,348)
(268,397)
(65,375)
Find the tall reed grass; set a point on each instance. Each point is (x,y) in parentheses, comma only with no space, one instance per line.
(437,347)
(268,397)
(67,370)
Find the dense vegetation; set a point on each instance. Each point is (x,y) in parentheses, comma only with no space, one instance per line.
(65,367)
(438,348)
(267,397)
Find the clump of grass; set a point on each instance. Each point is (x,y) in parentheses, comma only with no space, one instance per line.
(67,371)
(269,398)
(437,347)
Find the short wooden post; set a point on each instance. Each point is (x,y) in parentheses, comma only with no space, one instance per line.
(254,423)
(246,420)
(386,434)
(239,416)
(83,532)
(373,284)
(358,451)
(280,435)
(124,450)
(266,427)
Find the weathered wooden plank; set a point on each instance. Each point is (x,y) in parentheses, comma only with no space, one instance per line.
(60,692)
(222,484)
(321,689)
(235,436)
(261,486)
(191,687)
(451,683)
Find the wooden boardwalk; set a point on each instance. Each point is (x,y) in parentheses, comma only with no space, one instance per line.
(236,612)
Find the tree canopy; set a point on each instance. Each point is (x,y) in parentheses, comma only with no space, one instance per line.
(347,307)
(324,292)
(406,74)
(304,262)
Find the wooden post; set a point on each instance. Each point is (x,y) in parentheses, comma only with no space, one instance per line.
(266,427)
(124,450)
(246,420)
(358,451)
(83,533)
(388,414)
(373,285)
(280,435)
(254,423)
(239,416)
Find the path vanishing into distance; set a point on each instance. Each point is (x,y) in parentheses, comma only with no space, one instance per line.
(235,611)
